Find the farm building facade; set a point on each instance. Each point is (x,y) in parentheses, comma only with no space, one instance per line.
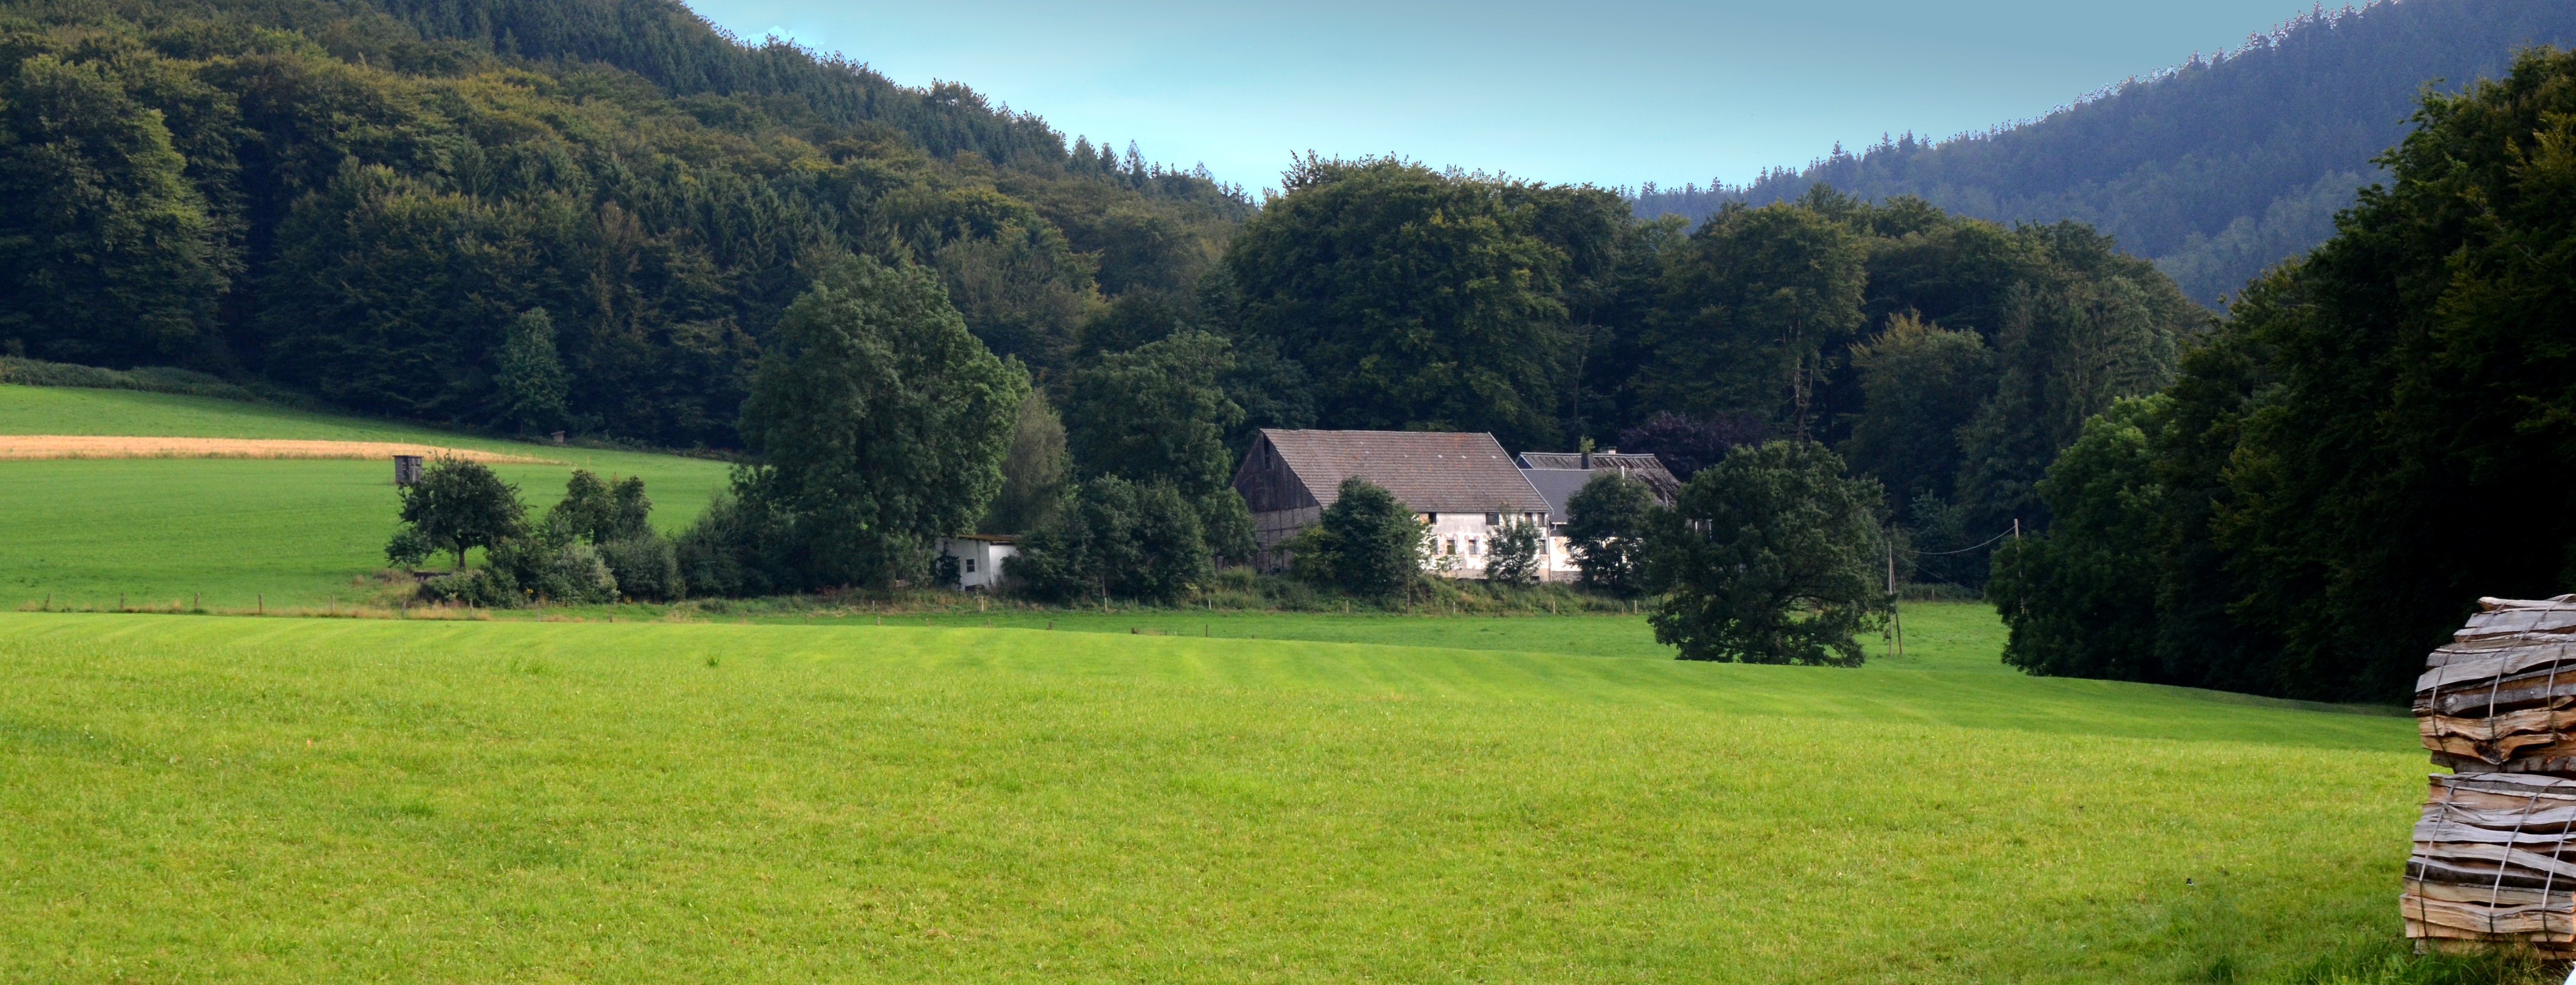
(1464,487)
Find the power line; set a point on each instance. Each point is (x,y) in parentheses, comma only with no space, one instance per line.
(1962,550)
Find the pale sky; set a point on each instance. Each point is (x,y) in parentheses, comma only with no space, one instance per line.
(1612,93)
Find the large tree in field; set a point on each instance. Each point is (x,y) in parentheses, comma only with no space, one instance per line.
(1422,299)
(1771,556)
(881,423)
(106,251)
(457,506)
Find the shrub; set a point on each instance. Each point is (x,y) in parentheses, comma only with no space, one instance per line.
(480,587)
(408,548)
(1367,544)
(1605,530)
(646,566)
(1116,539)
(1511,558)
(739,547)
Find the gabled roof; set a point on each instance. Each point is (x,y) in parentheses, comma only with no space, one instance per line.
(1642,467)
(1431,471)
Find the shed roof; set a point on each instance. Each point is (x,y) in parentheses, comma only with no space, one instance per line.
(1431,471)
(1640,466)
(1558,485)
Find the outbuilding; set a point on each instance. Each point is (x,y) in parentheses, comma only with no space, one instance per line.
(978,558)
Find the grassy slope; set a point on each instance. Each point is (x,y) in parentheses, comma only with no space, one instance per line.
(295,532)
(543,801)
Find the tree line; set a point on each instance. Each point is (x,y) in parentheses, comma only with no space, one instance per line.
(2378,434)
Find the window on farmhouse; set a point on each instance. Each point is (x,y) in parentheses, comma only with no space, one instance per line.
(1493,519)
(970,565)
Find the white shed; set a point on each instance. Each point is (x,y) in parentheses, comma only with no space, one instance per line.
(979,558)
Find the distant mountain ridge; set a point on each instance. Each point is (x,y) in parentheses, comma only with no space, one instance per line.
(2218,168)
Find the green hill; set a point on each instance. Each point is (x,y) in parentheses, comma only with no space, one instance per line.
(235,532)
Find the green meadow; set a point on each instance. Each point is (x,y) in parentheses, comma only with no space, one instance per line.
(233,533)
(305,799)
(834,789)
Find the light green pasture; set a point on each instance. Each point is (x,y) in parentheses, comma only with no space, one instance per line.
(236,532)
(214,799)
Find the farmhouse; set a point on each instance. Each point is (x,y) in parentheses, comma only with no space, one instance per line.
(1463,485)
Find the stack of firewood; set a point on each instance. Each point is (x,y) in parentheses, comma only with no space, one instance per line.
(2495,853)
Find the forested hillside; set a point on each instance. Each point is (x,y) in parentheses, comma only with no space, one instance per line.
(598,215)
(2217,169)
(387,206)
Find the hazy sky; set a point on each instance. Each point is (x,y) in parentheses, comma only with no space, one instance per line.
(1614,92)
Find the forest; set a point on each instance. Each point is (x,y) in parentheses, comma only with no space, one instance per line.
(2216,169)
(2376,436)
(362,203)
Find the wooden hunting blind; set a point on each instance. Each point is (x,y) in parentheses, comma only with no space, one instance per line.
(406,469)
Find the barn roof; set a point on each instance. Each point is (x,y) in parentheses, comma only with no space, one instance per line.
(1431,471)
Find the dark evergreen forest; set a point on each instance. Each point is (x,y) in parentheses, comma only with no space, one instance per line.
(2217,169)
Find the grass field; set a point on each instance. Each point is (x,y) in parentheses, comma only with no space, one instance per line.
(967,790)
(234,531)
(441,801)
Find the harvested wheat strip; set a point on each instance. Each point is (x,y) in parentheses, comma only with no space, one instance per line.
(35,446)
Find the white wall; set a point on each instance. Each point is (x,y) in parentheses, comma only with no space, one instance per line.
(1461,541)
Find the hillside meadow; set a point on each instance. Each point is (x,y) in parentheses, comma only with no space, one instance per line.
(235,533)
(440,801)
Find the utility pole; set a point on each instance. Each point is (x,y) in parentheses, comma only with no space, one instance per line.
(1895,620)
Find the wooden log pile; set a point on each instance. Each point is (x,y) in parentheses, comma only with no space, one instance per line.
(2495,852)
